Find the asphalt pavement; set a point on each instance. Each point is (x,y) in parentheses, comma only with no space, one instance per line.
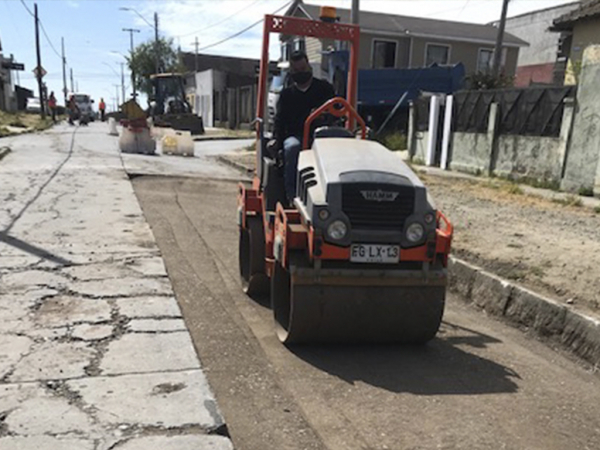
(479,385)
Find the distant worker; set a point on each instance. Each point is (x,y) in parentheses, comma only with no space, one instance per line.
(73,110)
(102,108)
(295,105)
(52,106)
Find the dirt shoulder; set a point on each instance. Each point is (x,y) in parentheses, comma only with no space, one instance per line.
(549,246)
(17,123)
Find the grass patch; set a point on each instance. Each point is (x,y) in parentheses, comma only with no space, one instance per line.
(597,209)
(250,147)
(17,123)
(22,120)
(514,189)
(569,200)
(543,183)
(394,141)
(586,191)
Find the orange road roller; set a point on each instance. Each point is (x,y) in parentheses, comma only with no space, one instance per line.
(361,254)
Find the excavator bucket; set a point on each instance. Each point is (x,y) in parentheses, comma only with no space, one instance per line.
(347,306)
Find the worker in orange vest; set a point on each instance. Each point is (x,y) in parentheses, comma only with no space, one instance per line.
(102,108)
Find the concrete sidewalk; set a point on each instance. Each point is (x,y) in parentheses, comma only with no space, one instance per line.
(94,353)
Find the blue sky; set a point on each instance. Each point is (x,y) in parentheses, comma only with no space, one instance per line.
(92,30)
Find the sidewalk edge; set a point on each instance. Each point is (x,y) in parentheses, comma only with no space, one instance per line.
(561,324)
(234,164)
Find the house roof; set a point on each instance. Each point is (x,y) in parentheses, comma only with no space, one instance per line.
(391,24)
(588,10)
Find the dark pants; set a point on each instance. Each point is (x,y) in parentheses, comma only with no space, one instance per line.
(102,115)
(53,112)
(291,151)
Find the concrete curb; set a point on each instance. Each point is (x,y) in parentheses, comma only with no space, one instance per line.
(234,164)
(4,151)
(548,319)
(222,138)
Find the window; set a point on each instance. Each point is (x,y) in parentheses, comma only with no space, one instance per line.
(384,54)
(485,60)
(437,54)
(299,45)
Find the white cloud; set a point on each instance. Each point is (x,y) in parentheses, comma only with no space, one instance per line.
(73,3)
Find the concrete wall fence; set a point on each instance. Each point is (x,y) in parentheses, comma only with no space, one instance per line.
(570,160)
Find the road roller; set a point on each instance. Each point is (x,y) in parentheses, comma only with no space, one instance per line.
(361,254)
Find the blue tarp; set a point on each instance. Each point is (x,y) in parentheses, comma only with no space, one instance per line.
(380,87)
(386,86)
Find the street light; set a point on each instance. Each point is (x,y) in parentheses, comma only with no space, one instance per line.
(155,27)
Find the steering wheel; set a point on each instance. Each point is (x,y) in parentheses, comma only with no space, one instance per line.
(337,107)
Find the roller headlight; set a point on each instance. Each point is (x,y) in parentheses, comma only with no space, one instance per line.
(429,218)
(337,230)
(323,214)
(414,232)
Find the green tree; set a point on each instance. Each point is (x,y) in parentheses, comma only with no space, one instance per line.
(143,62)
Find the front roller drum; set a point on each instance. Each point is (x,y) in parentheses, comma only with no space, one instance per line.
(338,313)
(252,258)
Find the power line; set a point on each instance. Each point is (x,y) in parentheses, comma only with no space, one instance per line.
(242,31)
(43,29)
(220,21)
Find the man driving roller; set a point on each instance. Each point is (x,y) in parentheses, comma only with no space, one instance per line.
(295,105)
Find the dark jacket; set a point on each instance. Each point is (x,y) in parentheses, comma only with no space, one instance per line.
(295,106)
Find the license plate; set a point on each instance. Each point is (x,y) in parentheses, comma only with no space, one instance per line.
(375,253)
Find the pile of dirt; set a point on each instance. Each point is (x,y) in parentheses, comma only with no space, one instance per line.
(552,248)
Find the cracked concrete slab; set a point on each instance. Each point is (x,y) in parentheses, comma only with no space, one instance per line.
(45,414)
(27,279)
(87,332)
(138,399)
(123,287)
(156,325)
(94,354)
(177,443)
(64,310)
(53,361)
(45,442)
(148,307)
(12,349)
(149,352)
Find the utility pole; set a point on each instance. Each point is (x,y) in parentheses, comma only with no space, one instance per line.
(354,13)
(122,83)
(64,67)
(72,84)
(156,46)
(131,31)
(38,71)
(196,43)
(499,40)
(117,92)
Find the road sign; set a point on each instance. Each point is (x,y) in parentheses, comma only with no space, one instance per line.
(39,70)
(13,65)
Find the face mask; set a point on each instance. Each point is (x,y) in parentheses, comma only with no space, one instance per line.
(301,77)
